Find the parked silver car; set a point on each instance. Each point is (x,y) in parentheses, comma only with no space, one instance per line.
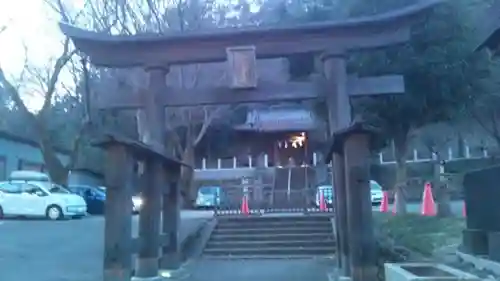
(328,193)
(209,196)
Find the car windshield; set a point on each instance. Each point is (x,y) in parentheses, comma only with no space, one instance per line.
(59,189)
(326,189)
(99,191)
(375,186)
(209,190)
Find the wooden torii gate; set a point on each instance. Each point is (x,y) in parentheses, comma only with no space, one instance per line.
(331,41)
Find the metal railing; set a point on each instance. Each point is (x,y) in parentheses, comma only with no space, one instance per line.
(265,200)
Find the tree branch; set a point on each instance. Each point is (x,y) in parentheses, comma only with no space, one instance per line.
(54,77)
(14,94)
(208,119)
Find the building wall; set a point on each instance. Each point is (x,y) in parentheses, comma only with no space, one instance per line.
(85,177)
(19,154)
(15,155)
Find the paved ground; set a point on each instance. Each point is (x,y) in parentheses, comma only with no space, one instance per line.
(262,270)
(60,251)
(72,251)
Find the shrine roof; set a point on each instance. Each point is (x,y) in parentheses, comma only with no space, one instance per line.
(209,46)
(489,33)
(382,18)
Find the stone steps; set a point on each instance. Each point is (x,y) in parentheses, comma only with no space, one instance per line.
(267,237)
(273,218)
(278,224)
(278,251)
(268,244)
(275,230)
(284,236)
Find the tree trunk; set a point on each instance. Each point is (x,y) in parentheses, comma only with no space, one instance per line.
(400,144)
(461,146)
(57,171)
(441,191)
(187,175)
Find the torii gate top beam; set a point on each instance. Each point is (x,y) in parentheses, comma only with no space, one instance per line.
(139,50)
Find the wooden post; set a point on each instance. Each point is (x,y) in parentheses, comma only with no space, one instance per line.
(339,184)
(362,253)
(171,214)
(118,214)
(153,178)
(339,116)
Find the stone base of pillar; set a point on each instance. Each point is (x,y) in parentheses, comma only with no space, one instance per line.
(170,262)
(178,274)
(146,267)
(116,274)
(156,278)
(493,244)
(475,241)
(344,260)
(335,276)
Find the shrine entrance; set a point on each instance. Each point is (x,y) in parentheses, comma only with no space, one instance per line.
(331,42)
(291,150)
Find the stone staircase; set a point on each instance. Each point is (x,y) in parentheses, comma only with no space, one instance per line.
(272,237)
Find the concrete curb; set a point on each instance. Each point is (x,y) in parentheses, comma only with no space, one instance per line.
(192,246)
(480,263)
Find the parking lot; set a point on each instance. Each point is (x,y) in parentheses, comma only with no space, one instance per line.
(60,250)
(72,250)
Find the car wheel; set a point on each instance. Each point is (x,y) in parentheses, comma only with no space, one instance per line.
(54,213)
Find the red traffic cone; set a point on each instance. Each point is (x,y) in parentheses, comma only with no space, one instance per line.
(322,203)
(428,205)
(384,205)
(244,205)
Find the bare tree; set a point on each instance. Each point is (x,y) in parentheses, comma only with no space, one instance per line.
(45,81)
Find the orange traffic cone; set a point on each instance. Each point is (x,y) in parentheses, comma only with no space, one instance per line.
(428,205)
(384,205)
(244,205)
(322,203)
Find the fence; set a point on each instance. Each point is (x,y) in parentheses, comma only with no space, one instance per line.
(267,200)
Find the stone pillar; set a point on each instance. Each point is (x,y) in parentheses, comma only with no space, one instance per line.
(335,73)
(362,252)
(171,216)
(153,178)
(118,214)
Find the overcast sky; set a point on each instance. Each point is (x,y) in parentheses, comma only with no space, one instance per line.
(32,24)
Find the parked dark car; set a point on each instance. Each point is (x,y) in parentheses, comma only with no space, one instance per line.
(136,200)
(93,196)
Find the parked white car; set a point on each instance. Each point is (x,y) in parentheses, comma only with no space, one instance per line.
(376,192)
(32,194)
